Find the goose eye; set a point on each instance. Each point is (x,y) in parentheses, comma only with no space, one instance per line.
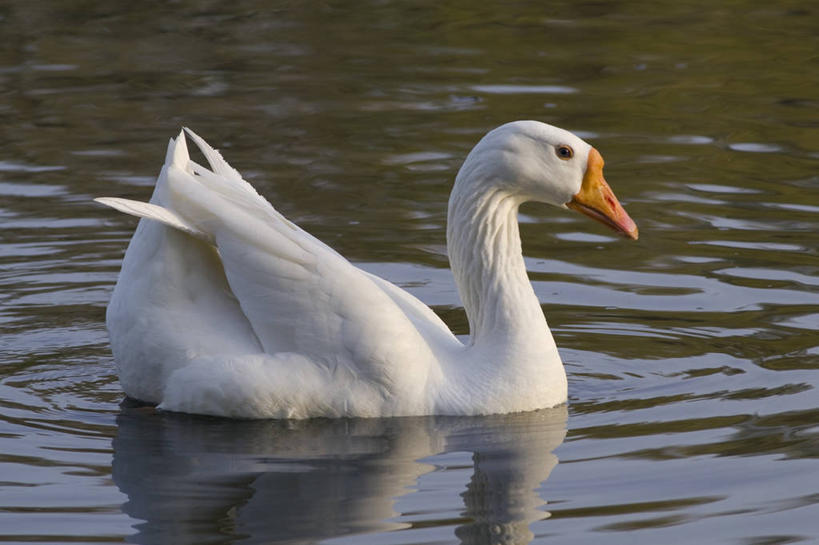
(564,152)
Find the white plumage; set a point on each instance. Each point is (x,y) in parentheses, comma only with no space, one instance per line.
(225,307)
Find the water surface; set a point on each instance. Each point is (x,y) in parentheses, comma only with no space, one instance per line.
(692,354)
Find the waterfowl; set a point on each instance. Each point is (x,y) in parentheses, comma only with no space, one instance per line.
(224,307)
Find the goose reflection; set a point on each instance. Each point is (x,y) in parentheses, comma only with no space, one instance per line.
(201,480)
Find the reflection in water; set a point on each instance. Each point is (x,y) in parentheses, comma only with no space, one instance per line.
(499,500)
(194,479)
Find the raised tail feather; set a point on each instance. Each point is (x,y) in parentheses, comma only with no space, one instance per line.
(211,203)
(154,212)
(222,178)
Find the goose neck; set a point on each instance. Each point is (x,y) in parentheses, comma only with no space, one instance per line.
(483,242)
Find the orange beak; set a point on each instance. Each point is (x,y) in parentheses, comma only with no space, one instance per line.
(596,200)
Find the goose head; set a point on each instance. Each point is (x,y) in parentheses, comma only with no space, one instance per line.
(533,161)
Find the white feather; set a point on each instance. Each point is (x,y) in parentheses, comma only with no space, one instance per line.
(153,212)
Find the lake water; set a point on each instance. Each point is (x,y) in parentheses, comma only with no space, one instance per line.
(692,354)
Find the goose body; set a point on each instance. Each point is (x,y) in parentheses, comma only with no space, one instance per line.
(225,307)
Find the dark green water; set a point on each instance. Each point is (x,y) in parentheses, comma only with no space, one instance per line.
(693,354)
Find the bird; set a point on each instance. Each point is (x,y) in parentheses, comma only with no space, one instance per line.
(224,307)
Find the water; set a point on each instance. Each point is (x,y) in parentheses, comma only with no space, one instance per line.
(692,354)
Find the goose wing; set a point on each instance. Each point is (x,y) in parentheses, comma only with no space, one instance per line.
(297,293)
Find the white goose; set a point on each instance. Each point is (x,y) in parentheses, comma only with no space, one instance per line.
(225,307)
